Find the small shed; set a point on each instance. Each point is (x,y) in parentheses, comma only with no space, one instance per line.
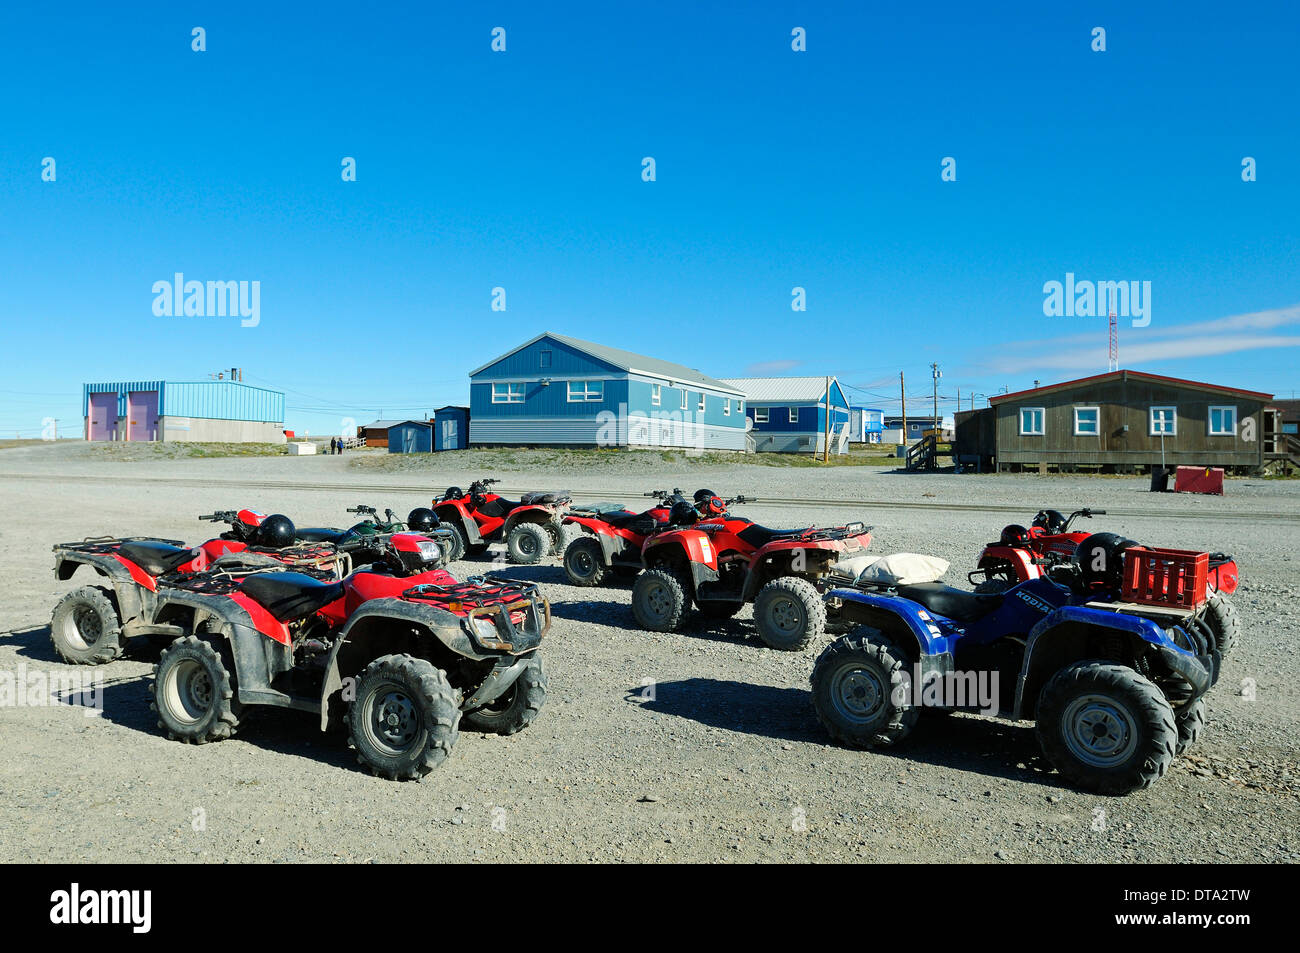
(376,434)
(866,424)
(451,428)
(410,436)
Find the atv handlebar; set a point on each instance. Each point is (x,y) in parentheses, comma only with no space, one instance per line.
(1086,513)
(362,508)
(221,516)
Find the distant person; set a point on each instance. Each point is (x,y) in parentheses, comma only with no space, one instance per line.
(340,446)
(334,445)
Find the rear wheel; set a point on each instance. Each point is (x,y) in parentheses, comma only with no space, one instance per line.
(789,613)
(194,692)
(456,543)
(516,709)
(584,562)
(659,600)
(1105,727)
(1224,621)
(85,627)
(405,717)
(528,543)
(1190,721)
(859,691)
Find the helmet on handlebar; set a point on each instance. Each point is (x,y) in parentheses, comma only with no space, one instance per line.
(276,532)
(1101,559)
(453,493)
(702,495)
(422,519)
(711,506)
(1050,521)
(1014,535)
(682,514)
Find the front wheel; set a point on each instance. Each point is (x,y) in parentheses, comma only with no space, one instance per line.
(659,600)
(194,693)
(1224,621)
(517,707)
(789,613)
(528,543)
(85,627)
(584,562)
(860,691)
(1105,727)
(405,717)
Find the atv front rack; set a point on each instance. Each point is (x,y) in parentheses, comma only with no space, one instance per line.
(478,592)
(516,611)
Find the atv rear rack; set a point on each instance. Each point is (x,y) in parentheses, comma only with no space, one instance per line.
(1165,577)
(104,545)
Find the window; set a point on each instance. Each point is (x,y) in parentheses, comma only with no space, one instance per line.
(507,393)
(1163,422)
(794,415)
(701,402)
(1031,421)
(740,407)
(684,398)
(726,407)
(656,394)
(583,391)
(545,358)
(1223,421)
(1087,421)
(760,415)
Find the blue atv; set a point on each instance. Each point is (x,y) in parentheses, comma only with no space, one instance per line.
(1116,689)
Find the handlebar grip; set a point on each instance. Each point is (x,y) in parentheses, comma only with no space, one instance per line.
(1096,512)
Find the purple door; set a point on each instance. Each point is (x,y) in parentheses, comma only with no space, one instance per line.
(103,416)
(142,415)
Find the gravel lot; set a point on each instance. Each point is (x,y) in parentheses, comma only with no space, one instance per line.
(719,766)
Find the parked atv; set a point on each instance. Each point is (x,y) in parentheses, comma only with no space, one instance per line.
(91,624)
(355,539)
(706,556)
(1115,685)
(399,658)
(611,538)
(1026,553)
(532,526)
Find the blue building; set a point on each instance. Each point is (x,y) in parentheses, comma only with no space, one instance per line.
(220,411)
(788,414)
(410,436)
(451,428)
(558,391)
(866,424)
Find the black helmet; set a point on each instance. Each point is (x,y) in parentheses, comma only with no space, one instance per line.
(453,493)
(1050,521)
(702,495)
(1100,558)
(276,532)
(421,519)
(682,514)
(1014,535)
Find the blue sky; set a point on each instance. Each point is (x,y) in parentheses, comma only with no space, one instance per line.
(522,170)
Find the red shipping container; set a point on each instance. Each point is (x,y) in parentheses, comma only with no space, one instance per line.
(1199,480)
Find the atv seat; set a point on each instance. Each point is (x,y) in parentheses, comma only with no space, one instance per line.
(545,496)
(957,604)
(153,557)
(290,596)
(321,534)
(759,536)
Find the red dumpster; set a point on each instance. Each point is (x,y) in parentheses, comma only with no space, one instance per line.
(1199,480)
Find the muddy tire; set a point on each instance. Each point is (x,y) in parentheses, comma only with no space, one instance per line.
(528,543)
(659,600)
(584,562)
(855,686)
(1224,621)
(85,627)
(517,708)
(789,613)
(1190,721)
(404,719)
(1105,727)
(456,546)
(194,692)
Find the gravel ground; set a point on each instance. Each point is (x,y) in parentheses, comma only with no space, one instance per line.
(726,762)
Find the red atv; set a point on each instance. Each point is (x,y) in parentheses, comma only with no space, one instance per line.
(611,538)
(1021,554)
(531,526)
(398,652)
(720,562)
(91,625)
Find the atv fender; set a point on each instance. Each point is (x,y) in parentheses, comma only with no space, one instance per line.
(1020,560)
(530,514)
(134,601)
(456,514)
(859,606)
(1051,646)
(692,545)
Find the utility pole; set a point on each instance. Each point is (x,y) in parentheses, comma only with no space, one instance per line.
(826,446)
(935,374)
(902,394)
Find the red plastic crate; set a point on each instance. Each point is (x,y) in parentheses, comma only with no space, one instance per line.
(1165,577)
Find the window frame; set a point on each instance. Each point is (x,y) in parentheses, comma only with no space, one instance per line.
(510,396)
(1089,408)
(686,398)
(726,406)
(587,393)
(656,395)
(700,407)
(1209,420)
(792,415)
(1173,420)
(767,415)
(1042,426)
(545,359)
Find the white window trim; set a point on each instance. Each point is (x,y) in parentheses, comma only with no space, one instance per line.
(701,404)
(761,415)
(1087,433)
(1033,433)
(740,407)
(792,416)
(685,398)
(510,396)
(587,396)
(726,407)
(1173,420)
(656,394)
(1209,421)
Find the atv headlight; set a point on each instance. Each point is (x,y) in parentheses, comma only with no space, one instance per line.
(429,550)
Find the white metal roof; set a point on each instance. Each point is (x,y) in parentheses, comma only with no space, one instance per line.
(768,389)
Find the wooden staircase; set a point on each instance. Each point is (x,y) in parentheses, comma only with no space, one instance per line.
(923,455)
